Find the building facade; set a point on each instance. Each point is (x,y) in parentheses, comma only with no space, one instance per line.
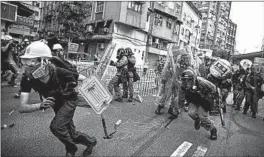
(230,36)
(26,27)
(190,30)
(125,23)
(15,19)
(215,18)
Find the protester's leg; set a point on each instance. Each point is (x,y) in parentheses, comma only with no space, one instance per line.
(14,68)
(59,126)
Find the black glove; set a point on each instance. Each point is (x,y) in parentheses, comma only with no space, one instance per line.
(47,103)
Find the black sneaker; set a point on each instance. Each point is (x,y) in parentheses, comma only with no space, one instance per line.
(68,154)
(119,99)
(157,111)
(213,134)
(88,150)
(197,124)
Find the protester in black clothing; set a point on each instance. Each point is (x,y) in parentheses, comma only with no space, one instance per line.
(57,86)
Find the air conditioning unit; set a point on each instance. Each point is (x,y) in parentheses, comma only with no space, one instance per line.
(101,46)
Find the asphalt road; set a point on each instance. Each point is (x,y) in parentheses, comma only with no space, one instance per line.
(141,133)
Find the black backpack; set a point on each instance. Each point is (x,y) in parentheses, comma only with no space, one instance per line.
(63,64)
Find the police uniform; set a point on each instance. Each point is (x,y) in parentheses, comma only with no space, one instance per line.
(253,92)
(120,77)
(238,91)
(201,100)
(128,86)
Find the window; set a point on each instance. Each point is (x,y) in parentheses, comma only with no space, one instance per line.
(135,6)
(184,16)
(100,6)
(88,9)
(177,9)
(158,20)
(182,31)
(169,23)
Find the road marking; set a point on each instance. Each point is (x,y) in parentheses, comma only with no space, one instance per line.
(200,152)
(182,149)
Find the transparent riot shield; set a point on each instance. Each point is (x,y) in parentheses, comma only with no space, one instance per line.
(170,75)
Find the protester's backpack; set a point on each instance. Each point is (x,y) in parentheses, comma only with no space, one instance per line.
(67,86)
(63,64)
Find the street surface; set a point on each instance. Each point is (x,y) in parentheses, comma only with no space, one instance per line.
(141,133)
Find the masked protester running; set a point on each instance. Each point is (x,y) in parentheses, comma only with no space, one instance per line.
(121,74)
(200,94)
(57,86)
(128,86)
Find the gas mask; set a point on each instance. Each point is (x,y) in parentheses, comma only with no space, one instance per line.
(189,84)
(36,70)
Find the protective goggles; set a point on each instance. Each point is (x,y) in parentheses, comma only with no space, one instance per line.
(29,62)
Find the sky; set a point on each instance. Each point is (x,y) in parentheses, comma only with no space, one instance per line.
(249,17)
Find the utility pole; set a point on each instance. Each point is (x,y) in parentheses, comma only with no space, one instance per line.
(149,35)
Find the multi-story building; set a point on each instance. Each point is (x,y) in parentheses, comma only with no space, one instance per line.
(165,28)
(25,27)
(14,19)
(127,24)
(190,30)
(215,15)
(230,36)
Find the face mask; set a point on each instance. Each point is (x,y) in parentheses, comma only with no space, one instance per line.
(40,72)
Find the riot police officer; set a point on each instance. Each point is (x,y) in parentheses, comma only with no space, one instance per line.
(128,86)
(200,93)
(121,74)
(253,91)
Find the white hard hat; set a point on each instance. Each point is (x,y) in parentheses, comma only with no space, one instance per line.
(3,37)
(6,37)
(57,46)
(37,49)
(26,39)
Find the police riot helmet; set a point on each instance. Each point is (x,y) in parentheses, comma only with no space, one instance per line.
(129,51)
(188,78)
(120,53)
